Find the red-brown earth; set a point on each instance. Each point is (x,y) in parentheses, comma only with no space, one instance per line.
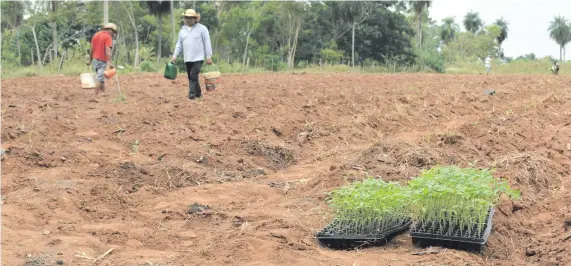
(83,174)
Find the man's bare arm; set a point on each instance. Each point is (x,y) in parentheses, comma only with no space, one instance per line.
(108,52)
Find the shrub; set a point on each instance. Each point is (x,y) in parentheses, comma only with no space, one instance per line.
(434,61)
(147,66)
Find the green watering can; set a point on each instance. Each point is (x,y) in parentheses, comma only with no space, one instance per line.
(170,71)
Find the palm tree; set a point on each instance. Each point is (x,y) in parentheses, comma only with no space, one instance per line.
(560,32)
(472,22)
(159,8)
(504,32)
(448,29)
(419,7)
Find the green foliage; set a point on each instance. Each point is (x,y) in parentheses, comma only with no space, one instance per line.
(371,204)
(434,61)
(331,53)
(560,32)
(448,30)
(472,22)
(456,196)
(493,31)
(469,45)
(148,66)
(273,63)
(384,35)
(503,30)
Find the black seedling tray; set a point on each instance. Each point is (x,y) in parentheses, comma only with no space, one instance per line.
(334,240)
(438,236)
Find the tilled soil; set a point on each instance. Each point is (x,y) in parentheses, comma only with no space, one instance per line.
(240,176)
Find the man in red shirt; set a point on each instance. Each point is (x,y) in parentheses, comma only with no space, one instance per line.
(100,56)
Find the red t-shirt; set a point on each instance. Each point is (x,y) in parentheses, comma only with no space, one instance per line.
(101,40)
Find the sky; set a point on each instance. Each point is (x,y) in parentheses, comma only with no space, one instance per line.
(528,21)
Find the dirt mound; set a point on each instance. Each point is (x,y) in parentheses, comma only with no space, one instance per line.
(240,176)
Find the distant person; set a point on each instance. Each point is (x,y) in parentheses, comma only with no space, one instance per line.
(555,68)
(488,64)
(194,41)
(100,56)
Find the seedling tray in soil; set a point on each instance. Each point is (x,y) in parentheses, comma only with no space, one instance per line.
(439,236)
(334,239)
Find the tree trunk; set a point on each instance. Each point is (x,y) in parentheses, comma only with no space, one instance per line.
(115,51)
(125,46)
(289,37)
(173,43)
(105,11)
(247,42)
(420,29)
(160,29)
(61,63)
(131,17)
(54,30)
(37,48)
(353,45)
(560,52)
(18,45)
(295,42)
(55,45)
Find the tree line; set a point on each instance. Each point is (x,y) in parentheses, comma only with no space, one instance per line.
(277,35)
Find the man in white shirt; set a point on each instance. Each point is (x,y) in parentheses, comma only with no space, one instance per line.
(488,64)
(194,41)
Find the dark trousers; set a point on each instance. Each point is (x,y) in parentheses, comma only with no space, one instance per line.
(192,70)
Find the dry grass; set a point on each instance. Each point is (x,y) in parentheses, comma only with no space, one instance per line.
(530,170)
(416,157)
(280,156)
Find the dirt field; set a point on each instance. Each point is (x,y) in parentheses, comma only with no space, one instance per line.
(81,176)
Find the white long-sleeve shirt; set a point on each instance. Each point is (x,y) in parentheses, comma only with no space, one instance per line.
(194,42)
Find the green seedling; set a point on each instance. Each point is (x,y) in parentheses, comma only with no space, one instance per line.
(369,206)
(459,197)
(120,130)
(135,146)
(120,98)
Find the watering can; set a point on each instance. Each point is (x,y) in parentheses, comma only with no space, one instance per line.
(170,71)
(109,72)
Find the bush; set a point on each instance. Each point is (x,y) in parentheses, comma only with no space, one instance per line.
(302,64)
(147,66)
(434,61)
(274,63)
